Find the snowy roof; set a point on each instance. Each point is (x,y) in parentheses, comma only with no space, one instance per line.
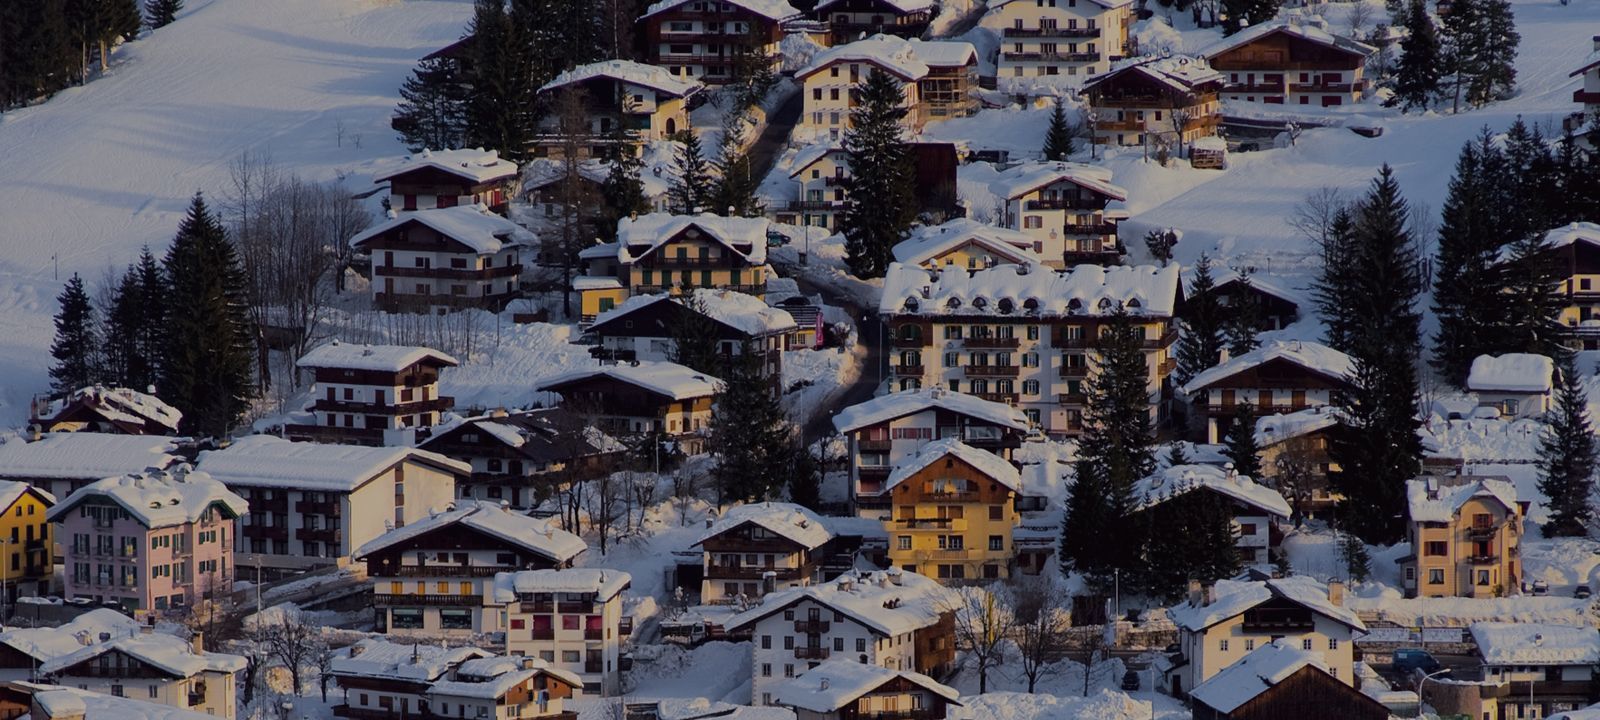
(1511,372)
(890,53)
(650,76)
(889,602)
(79,455)
(665,378)
(536,535)
(476,165)
(1437,499)
(786,520)
(65,701)
(1108,4)
(1145,290)
(903,6)
(596,282)
(13,490)
(1254,674)
(1504,643)
(379,659)
(267,461)
(1180,73)
(1272,429)
(171,654)
(159,499)
(542,435)
(836,683)
(47,644)
(639,236)
(1312,356)
(1590,62)
(773,9)
(382,358)
(900,404)
(930,241)
(487,678)
(1210,143)
(60,702)
(470,225)
(122,404)
(540,172)
(807,156)
(988,463)
(604,582)
(599,251)
(944,53)
(1573,233)
(1291,27)
(1179,479)
(745,313)
(1231,598)
(1223,275)
(1023,179)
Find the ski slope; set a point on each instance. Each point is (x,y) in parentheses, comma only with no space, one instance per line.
(89,177)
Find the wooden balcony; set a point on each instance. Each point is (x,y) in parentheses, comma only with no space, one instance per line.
(1320,87)
(370,408)
(811,627)
(811,653)
(326,535)
(1487,559)
(675,263)
(1049,57)
(1267,88)
(1065,204)
(327,434)
(265,532)
(440,273)
(815,205)
(306,507)
(864,445)
(431,599)
(1050,32)
(940,524)
(1007,398)
(992,370)
(753,572)
(1072,399)
(992,342)
(447,571)
(907,369)
(1588,98)
(1074,371)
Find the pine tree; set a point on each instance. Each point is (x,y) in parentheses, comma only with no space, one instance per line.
(500,112)
(76,348)
(1058,139)
(1244,321)
(210,346)
(1114,453)
(1160,242)
(38,53)
(749,435)
(1335,283)
(690,192)
(1176,456)
(1357,561)
(1577,180)
(1534,181)
(161,13)
(735,191)
(881,195)
(433,107)
(695,337)
(1417,78)
(1379,450)
(622,192)
(149,335)
(1567,455)
(1532,299)
(96,25)
(1480,51)
(1239,445)
(805,478)
(1201,342)
(1186,536)
(122,321)
(1466,288)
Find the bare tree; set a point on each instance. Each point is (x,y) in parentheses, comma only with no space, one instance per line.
(575,198)
(604,497)
(1297,473)
(1313,217)
(1357,17)
(685,488)
(292,644)
(983,624)
(1043,619)
(1180,117)
(322,655)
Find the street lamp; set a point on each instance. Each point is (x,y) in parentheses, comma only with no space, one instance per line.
(1424,681)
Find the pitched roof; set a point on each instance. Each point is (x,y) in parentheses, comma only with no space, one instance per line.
(902,6)
(944,53)
(478,165)
(1180,73)
(639,236)
(47,644)
(474,227)
(1505,643)
(836,683)
(1028,177)
(1231,598)
(379,659)
(1293,28)
(1180,479)
(79,455)
(488,678)
(1253,674)
(900,404)
(1313,356)
(543,435)
(807,156)
(771,9)
(171,654)
(540,536)
(1273,429)
(787,520)
(930,241)
(1146,290)
(65,701)
(744,313)
(267,461)
(382,358)
(664,378)
(1108,4)
(1568,234)
(1511,372)
(891,54)
(650,76)
(159,499)
(889,602)
(12,490)
(1437,499)
(604,582)
(988,463)
(121,404)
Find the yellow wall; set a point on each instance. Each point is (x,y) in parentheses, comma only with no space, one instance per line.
(664,274)
(923,518)
(27,512)
(592,300)
(966,255)
(1460,574)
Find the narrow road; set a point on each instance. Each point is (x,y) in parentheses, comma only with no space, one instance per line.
(873,370)
(766,149)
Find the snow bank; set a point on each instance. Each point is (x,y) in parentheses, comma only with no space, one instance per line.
(1103,705)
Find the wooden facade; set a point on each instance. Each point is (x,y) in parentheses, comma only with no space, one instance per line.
(415,556)
(1307,694)
(726,568)
(1274,311)
(659,320)
(1281,67)
(356,406)
(620,408)
(851,19)
(438,188)
(1133,107)
(554,451)
(706,39)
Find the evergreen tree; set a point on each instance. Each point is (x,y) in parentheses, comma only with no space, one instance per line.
(38,53)
(1188,535)
(1160,242)
(209,345)
(148,348)
(1239,14)
(735,191)
(1334,283)
(1114,453)
(1239,444)
(749,435)
(122,322)
(1577,179)
(1176,456)
(1480,51)
(500,111)
(1379,449)
(622,192)
(161,13)
(1466,288)
(1244,321)
(1058,139)
(1535,183)
(695,337)
(690,192)
(1417,78)
(1357,561)
(1567,455)
(96,25)
(1201,342)
(76,348)
(1532,298)
(881,202)
(432,114)
(805,479)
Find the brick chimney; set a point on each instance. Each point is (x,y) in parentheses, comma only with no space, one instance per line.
(1336,593)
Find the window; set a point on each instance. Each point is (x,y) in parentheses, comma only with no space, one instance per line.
(838,644)
(1247,528)
(788,670)
(788,642)
(1436,548)
(766,669)
(997,542)
(406,618)
(904,542)
(570,656)
(1333,643)
(1435,577)
(1249,645)
(1222,645)
(766,642)
(1305,644)
(861,644)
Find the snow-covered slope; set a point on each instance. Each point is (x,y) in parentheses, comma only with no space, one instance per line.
(100,170)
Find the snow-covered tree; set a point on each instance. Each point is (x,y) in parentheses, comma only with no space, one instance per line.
(690,191)
(1239,445)
(881,203)
(1567,455)
(1416,81)
(161,13)
(750,435)
(1200,343)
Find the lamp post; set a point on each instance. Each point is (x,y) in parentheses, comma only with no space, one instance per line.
(1424,681)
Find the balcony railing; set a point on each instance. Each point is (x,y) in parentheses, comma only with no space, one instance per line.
(445,273)
(1319,87)
(745,572)
(918,714)
(720,261)
(810,627)
(1483,559)
(908,369)
(1072,399)
(545,632)
(1064,204)
(306,507)
(1051,32)
(810,205)
(1049,57)
(874,445)
(1586,97)
(993,342)
(929,524)
(1100,228)
(1253,87)
(447,571)
(811,653)
(992,370)
(594,634)
(1007,398)
(405,600)
(1074,371)
(384,408)
(1482,532)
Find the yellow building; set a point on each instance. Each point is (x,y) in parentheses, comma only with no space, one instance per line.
(1466,537)
(967,243)
(643,99)
(27,556)
(954,511)
(1576,254)
(663,253)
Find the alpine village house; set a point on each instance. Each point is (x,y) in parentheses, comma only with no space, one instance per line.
(1057,43)
(1170,101)
(707,39)
(371,394)
(1291,62)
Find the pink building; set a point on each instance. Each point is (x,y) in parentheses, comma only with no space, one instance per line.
(149,541)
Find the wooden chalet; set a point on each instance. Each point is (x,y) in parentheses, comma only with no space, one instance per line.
(851,19)
(360,392)
(459,256)
(1291,63)
(449,178)
(648,397)
(117,411)
(1171,100)
(523,457)
(1278,377)
(706,39)
(643,328)
(1277,681)
(1575,252)
(1275,307)
(757,549)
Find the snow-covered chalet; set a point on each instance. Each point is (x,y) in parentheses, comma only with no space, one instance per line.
(1051,44)
(707,39)
(1071,211)
(461,256)
(1159,103)
(1280,377)
(451,178)
(1291,62)
(371,394)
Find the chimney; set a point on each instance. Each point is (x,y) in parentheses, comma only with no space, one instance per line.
(1210,594)
(197,642)
(1222,356)
(823,684)
(1596,40)
(1336,593)
(1196,596)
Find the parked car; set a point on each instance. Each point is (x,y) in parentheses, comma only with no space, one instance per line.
(1130,681)
(1541,587)
(1409,661)
(1582,591)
